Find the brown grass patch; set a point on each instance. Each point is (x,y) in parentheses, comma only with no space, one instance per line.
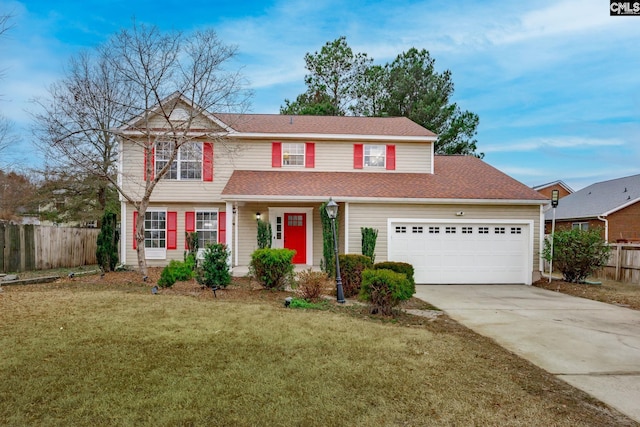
(610,292)
(105,351)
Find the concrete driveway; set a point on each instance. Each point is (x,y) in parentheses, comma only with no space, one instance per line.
(591,345)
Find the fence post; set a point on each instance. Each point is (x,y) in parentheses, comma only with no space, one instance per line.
(618,260)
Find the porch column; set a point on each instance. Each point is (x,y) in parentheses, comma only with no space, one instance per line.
(230,220)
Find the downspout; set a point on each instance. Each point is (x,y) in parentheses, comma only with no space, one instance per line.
(606,227)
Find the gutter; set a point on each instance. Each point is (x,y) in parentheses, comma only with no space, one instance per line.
(606,226)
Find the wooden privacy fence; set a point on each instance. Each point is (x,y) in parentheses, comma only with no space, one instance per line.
(34,247)
(624,263)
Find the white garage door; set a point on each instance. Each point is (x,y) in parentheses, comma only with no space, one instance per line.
(457,253)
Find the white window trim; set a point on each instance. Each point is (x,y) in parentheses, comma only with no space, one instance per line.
(157,253)
(304,155)
(580,225)
(364,156)
(217,211)
(178,162)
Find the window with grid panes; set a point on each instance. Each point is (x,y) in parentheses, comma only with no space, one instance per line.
(207,228)
(293,154)
(155,229)
(188,162)
(374,156)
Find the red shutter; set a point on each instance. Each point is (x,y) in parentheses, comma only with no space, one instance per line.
(207,161)
(310,155)
(222,227)
(189,225)
(153,163)
(135,220)
(172,230)
(391,157)
(358,156)
(276,154)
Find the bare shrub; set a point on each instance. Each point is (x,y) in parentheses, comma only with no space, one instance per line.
(312,284)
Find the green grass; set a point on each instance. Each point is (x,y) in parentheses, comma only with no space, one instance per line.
(98,356)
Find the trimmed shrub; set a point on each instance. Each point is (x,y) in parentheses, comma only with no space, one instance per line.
(384,289)
(107,244)
(214,269)
(351,267)
(328,261)
(577,253)
(272,268)
(175,271)
(398,267)
(311,285)
(369,238)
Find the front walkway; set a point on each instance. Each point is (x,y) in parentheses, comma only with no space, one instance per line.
(591,345)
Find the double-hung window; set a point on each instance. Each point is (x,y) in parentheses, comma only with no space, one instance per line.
(187,164)
(155,234)
(207,228)
(580,225)
(375,156)
(293,154)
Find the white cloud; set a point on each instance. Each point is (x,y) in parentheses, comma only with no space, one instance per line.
(558,142)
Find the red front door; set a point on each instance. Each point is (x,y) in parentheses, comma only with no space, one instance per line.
(295,235)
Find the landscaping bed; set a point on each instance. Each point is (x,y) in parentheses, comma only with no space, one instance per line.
(608,291)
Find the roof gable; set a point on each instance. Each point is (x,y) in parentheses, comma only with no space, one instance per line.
(179,109)
(552,184)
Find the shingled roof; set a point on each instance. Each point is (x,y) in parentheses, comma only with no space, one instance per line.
(599,199)
(455,177)
(324,125)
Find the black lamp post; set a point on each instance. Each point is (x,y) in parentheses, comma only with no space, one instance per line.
(555,196)
(332,212)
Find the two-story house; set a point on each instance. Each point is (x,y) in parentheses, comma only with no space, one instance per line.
(454,218)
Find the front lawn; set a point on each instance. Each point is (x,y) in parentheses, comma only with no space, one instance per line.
(105,351)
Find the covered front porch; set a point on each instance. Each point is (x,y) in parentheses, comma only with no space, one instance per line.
(295,225)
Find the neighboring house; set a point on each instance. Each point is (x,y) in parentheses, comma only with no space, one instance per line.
(454,218)
(613,206)
(546,189)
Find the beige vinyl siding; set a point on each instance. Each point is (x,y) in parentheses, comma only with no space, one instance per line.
(178,253)
(230,155)
(175,191)
(376,215)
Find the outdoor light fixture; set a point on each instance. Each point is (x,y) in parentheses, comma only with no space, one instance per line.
(332,213)
(554,198)
(258,216)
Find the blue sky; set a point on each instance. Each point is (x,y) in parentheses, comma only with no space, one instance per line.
(556,83)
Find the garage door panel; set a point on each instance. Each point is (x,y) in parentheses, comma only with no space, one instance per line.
(459,253)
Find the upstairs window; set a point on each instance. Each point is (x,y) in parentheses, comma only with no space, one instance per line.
(293,154)
(186,166)
(301,154)
(374,156)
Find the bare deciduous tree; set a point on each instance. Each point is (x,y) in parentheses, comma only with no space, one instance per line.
(6,137)
(128,96)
